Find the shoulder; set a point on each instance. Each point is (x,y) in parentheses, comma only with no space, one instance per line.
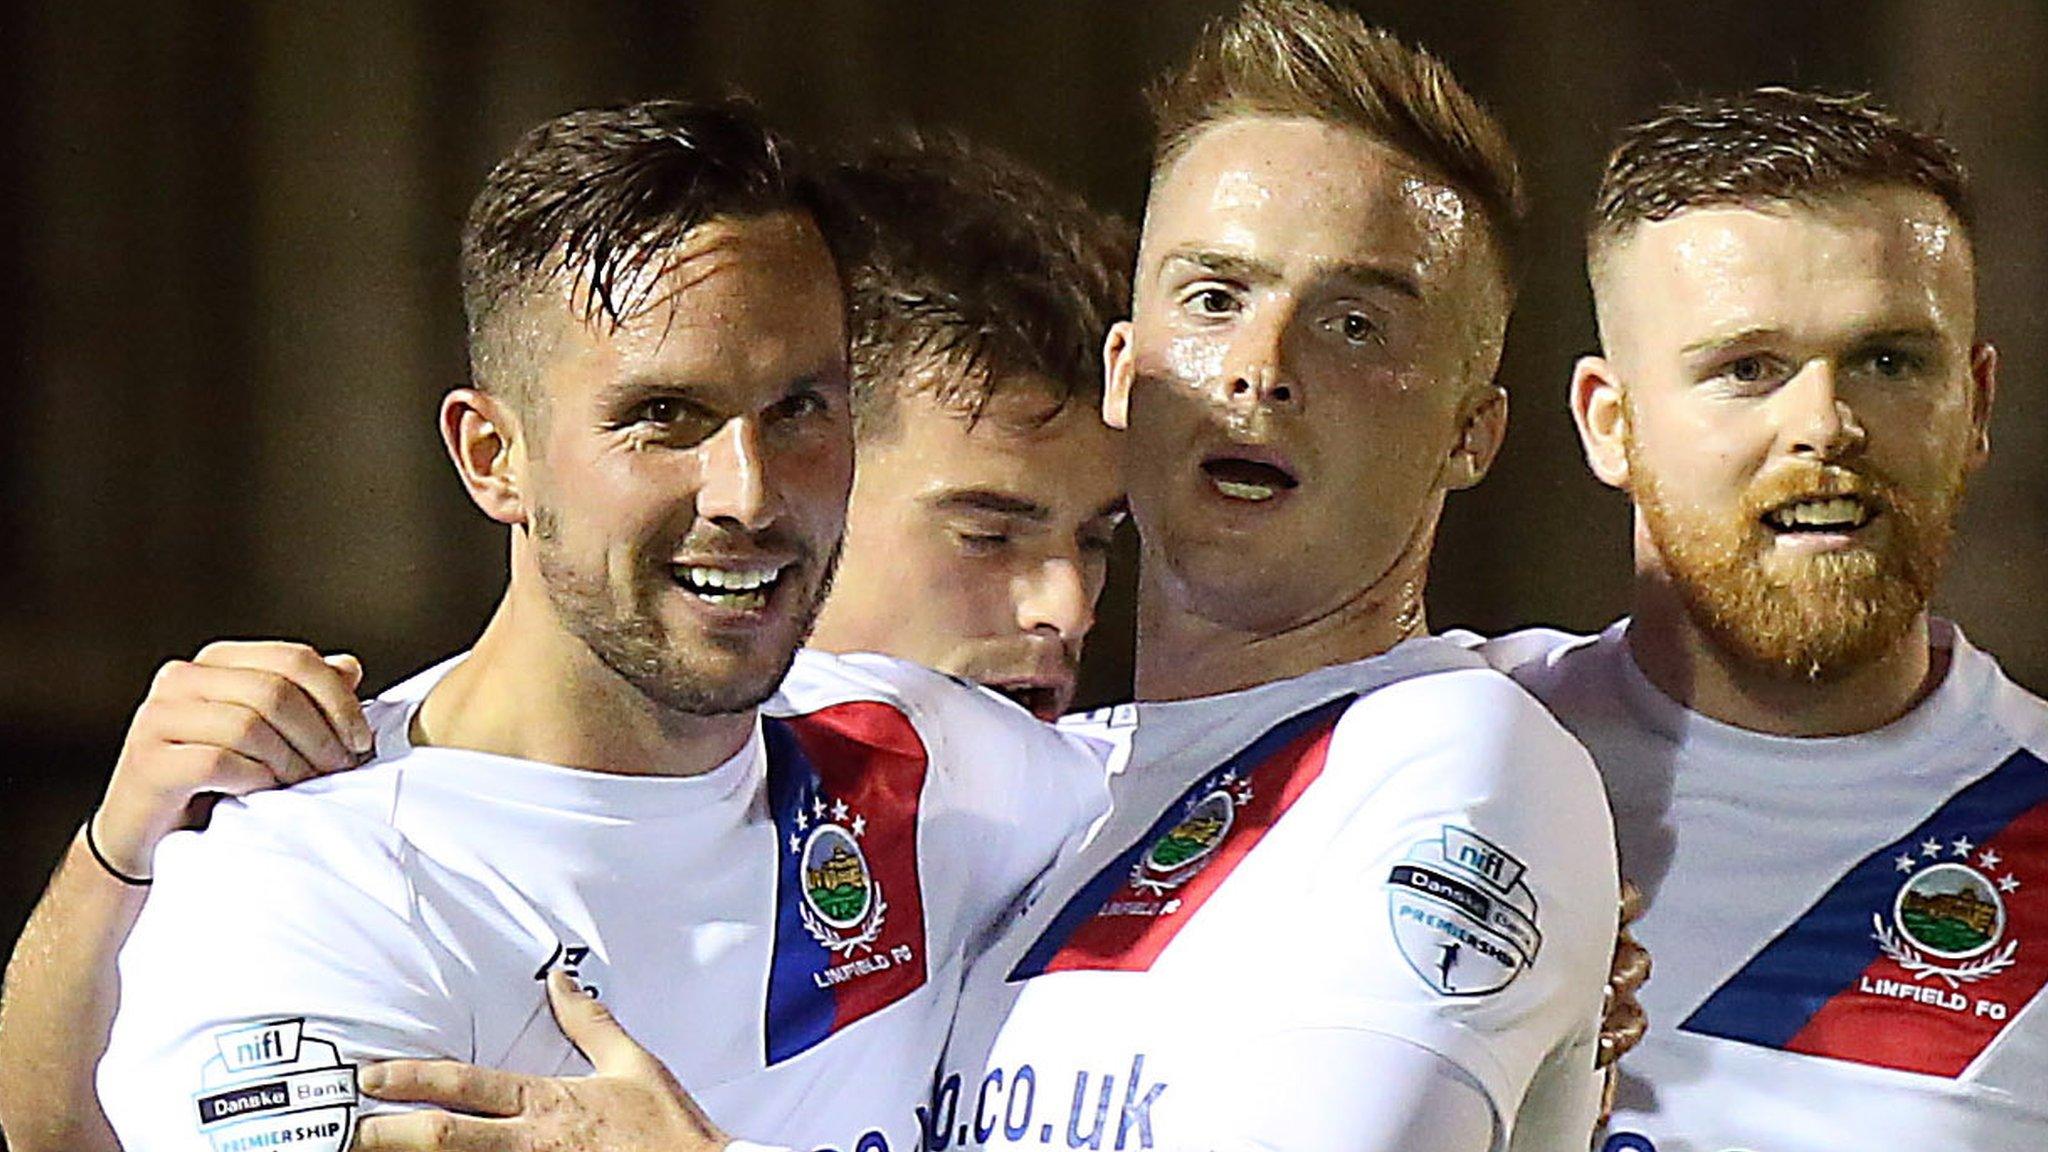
(339,826)
(960,725)
(1478,712)
(1528,646)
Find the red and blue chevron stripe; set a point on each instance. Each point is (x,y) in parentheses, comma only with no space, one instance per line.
(1825,987)
(1279,765)
(867,756)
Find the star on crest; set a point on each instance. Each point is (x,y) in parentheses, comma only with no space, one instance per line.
(1930,848)
(2008,883)
(839,810)
(818,807)
(1963,846)
(796,842)
(1989,858)
(803,819)
(1906,862)
(860,827)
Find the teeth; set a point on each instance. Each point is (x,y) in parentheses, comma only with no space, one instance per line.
(1838,512)
(745,589)
(731,579)
(1239,490)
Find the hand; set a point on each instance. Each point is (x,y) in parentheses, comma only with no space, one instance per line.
(629,1104)
(239,717)
(1622,1020)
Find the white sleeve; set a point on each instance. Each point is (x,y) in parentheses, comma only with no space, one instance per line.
(1467,908)
(1348,1089)
(278,950)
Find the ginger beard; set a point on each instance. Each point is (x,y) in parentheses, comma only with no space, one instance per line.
(1814,617)
(718,674)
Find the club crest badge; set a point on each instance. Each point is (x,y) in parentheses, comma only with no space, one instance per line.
(1948,920)
(1175,857)
(843,908)
(1462,913)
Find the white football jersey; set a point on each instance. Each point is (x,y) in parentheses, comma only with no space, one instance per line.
(1406,847)
(1850,935)
(786,932)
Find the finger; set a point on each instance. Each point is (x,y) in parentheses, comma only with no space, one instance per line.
(330,683)
(283,702)
(432,1132)
(596,1033)
(1621,1031)
(446,1084)
(1631,902)
(181,736)
(351,669)
(1631,967)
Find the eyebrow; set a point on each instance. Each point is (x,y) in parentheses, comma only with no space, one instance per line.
(991,501)
(1245,269)
(1759,334)
(1752,335)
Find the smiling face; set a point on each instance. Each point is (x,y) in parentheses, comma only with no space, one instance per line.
(978,547)
(1791,395)
(1307,370)
(688,468)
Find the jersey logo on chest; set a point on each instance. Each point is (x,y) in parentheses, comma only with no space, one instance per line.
(1922,954)
(844,785)
(1136,904)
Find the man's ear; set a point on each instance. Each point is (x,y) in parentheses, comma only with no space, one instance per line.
(1119,367)
(1479,440)
(482,435)
(1601,413)
(1983,390)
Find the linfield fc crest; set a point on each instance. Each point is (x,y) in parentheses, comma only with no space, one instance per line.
(1948,920)
(1922,954)
(844,784)
(843,908)
(1175,857)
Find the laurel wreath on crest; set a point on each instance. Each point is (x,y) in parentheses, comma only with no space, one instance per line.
(1912,961)
(824,933)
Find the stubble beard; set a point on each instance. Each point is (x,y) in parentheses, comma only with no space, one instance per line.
(627,635)
(1814,618)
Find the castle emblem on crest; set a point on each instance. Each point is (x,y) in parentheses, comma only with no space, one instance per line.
(842,905)
(1185,848)
(1948,920)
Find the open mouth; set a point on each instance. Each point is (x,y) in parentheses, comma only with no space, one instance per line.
(732,589)
(1044,701)
(1830,515)
(1245,478)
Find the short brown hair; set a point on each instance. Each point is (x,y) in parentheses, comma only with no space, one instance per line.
(1298,58)
(1769,145)
(600,195)
(967,269)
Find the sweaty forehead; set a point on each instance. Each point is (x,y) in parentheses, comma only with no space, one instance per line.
(1882,257)
(1299,193)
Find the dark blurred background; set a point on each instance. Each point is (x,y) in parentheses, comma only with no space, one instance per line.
(230,302)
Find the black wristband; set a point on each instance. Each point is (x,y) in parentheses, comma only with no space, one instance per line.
(93,847)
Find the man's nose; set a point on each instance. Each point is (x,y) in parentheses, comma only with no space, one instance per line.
(1816,420)
(733,483)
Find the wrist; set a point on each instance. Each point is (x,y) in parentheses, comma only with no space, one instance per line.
(118,849)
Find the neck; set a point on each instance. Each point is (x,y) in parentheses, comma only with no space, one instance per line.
(1688,666)
(1185,652)
(531,691)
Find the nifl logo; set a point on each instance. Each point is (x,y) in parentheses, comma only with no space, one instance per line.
(259,1047)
